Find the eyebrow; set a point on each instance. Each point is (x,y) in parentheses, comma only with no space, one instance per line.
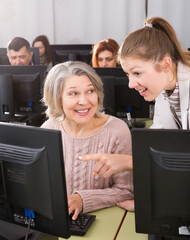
(72,88)
(133,68)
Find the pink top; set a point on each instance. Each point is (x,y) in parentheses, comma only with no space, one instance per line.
(96,192)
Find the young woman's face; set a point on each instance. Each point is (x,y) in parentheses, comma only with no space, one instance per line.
(41,47)
(106,59)
(79,99)
(144,77)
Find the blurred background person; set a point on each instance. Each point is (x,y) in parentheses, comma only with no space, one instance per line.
(42,43)
(104,53)
(19,52)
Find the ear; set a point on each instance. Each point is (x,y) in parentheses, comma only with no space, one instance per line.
(31,54)
(166,63)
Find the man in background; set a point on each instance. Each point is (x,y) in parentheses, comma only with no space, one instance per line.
(19,52)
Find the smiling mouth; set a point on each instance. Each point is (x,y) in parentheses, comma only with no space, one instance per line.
(82,111)
(143,90)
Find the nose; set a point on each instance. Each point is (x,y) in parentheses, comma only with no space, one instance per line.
(132,83)
(18,61)
(82,99)
(104,63)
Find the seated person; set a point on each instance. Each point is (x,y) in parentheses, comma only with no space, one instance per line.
(19,52)
(42,43)
(104,53)
(73,95)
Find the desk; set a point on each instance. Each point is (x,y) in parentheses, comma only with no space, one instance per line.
(148,123)
(105,225)
(127,230)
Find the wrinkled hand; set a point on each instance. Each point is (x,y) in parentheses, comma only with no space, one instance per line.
(108,164)
(75,205)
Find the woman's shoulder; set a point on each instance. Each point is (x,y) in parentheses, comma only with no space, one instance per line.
(51,124)
(183,72)
(117,124)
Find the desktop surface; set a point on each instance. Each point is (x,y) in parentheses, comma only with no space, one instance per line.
(127,230)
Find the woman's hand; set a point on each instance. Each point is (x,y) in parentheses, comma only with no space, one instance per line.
(108,164)
(128,205)
(75,205)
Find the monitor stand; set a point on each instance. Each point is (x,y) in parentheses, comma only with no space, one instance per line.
(10,231)
(158,237)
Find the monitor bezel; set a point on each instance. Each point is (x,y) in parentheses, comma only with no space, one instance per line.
(35,137)
(70,48)
(162,140)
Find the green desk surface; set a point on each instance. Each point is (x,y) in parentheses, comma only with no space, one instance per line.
(105,225)
(127,230)
(148,123)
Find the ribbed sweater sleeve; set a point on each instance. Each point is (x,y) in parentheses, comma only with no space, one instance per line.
(96,192)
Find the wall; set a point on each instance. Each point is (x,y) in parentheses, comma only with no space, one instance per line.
(69,21)
(87,21)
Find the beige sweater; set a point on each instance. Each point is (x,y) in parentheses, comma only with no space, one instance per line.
(96,192)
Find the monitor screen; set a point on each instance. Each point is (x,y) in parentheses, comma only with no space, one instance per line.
(21,91)
(5,61)
(32,178)
(71,52)
(161,162)
(119,97)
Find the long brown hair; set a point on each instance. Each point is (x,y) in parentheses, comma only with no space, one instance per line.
(152,42)
(45,41)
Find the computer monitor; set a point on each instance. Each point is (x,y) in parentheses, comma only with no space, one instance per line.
(161,169)
(32,177)
(3,57)
(5,61)
(71,52)
(21,91)
(119,97)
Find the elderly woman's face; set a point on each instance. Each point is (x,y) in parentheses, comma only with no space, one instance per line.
(106,59)
(79,99)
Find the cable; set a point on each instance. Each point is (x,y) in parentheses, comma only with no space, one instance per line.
(28,229)
(30,215)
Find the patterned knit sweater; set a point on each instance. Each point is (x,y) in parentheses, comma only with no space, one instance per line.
(96,191)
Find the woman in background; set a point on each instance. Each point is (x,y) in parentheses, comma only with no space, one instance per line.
(104,53)
(73,94)
(42,43)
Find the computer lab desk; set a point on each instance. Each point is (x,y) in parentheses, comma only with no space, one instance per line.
(127,230)
(105,226)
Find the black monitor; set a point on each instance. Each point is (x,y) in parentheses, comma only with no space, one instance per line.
(21,91)
(119,98)
(71,52)
(3,57)
(32,179)
(5,61)
(161,162)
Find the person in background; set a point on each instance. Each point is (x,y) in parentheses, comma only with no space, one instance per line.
(42,43)
(104,53)
(159,69)
(73,95)
(19,52)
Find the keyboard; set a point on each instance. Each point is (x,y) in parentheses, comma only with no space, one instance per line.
(81,225)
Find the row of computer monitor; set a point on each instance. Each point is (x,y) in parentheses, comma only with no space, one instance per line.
(32,180)
(21,89)
(59,53)
(32,171)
